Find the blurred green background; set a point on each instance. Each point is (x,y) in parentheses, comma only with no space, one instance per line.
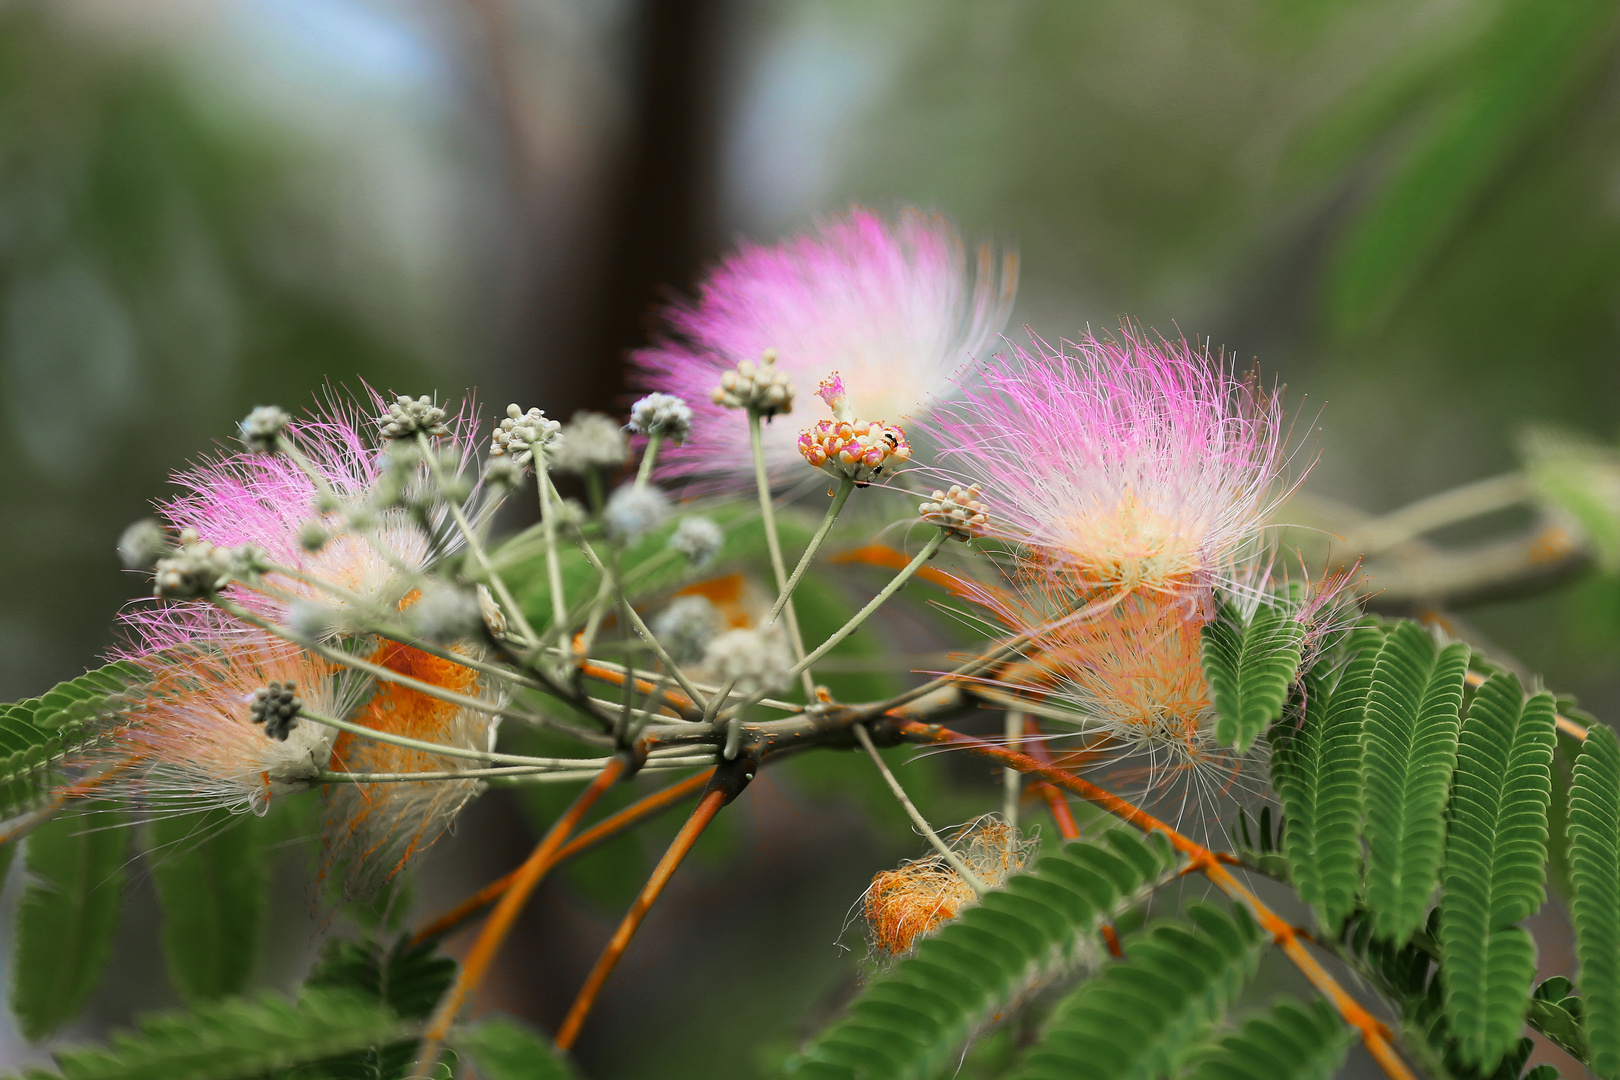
(1409,212)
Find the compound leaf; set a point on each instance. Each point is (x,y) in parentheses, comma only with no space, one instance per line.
(1316,769)
(212,878)
(1249,668)
(912,1021)
(1292,1042)
(1594,855)
(68,916)
(1409,752)
(1495,870)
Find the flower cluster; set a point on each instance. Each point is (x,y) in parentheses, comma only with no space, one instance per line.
(847,448)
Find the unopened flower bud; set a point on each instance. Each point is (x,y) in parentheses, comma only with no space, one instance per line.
(761,388)
(590,441)
(199,569)
(699,539)
(661,414)
(958,511)
(446,614)
(313,620)
(142,544)
(633,511)
(276,706)
(755,661)
(261,428)
(519,434)
(407,417)
(502,473)
(686,627)
(313,536)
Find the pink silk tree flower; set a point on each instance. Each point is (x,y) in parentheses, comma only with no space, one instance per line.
(203,730)
(267,501)
(1129,462)
(891,306)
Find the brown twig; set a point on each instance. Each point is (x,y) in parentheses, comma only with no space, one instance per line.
(1374,1034)
(710,805)
(506,912)
(608,827)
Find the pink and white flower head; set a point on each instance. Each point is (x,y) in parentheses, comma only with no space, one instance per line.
(191,738)
(1128,462)
(267,502)
(893,306)
(847,448)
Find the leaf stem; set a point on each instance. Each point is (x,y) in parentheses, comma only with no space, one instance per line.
(482,954)
(974,881)
(774,544)
(608,827)
(707,807)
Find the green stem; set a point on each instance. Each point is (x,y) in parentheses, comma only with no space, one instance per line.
(473,543)
(648,457)
(548,529)
(436,748)
(876,602)
(520,773)
(381,628)
(1011,779)
(376,671)
(1437,511)
(774,544)
(973,880)
(822,530)
(635,621)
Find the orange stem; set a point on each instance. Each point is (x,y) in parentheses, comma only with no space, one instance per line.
(706,809)
(482,955)
(602,830)
(1056,801)
(672,697)
(1374,1035)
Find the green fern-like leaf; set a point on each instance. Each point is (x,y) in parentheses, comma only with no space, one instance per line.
(68,915)
(1316,769)
(1594,855)
(1249,669)
(1143,1016)
(407,979)
(502,1050)
(239,1038)
(910,1022)
(1557,1013)
(1409,752)
(37,734)
(1495,870)
(213,876)
(1292,1042)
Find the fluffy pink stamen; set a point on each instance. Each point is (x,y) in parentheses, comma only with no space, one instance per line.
(1129,461)
(894,307)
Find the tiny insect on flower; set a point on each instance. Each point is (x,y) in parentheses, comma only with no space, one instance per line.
(896,305)
(847,448)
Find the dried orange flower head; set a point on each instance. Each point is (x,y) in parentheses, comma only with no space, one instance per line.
(918,898)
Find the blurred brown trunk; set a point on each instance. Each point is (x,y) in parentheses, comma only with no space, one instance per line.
(665,221)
